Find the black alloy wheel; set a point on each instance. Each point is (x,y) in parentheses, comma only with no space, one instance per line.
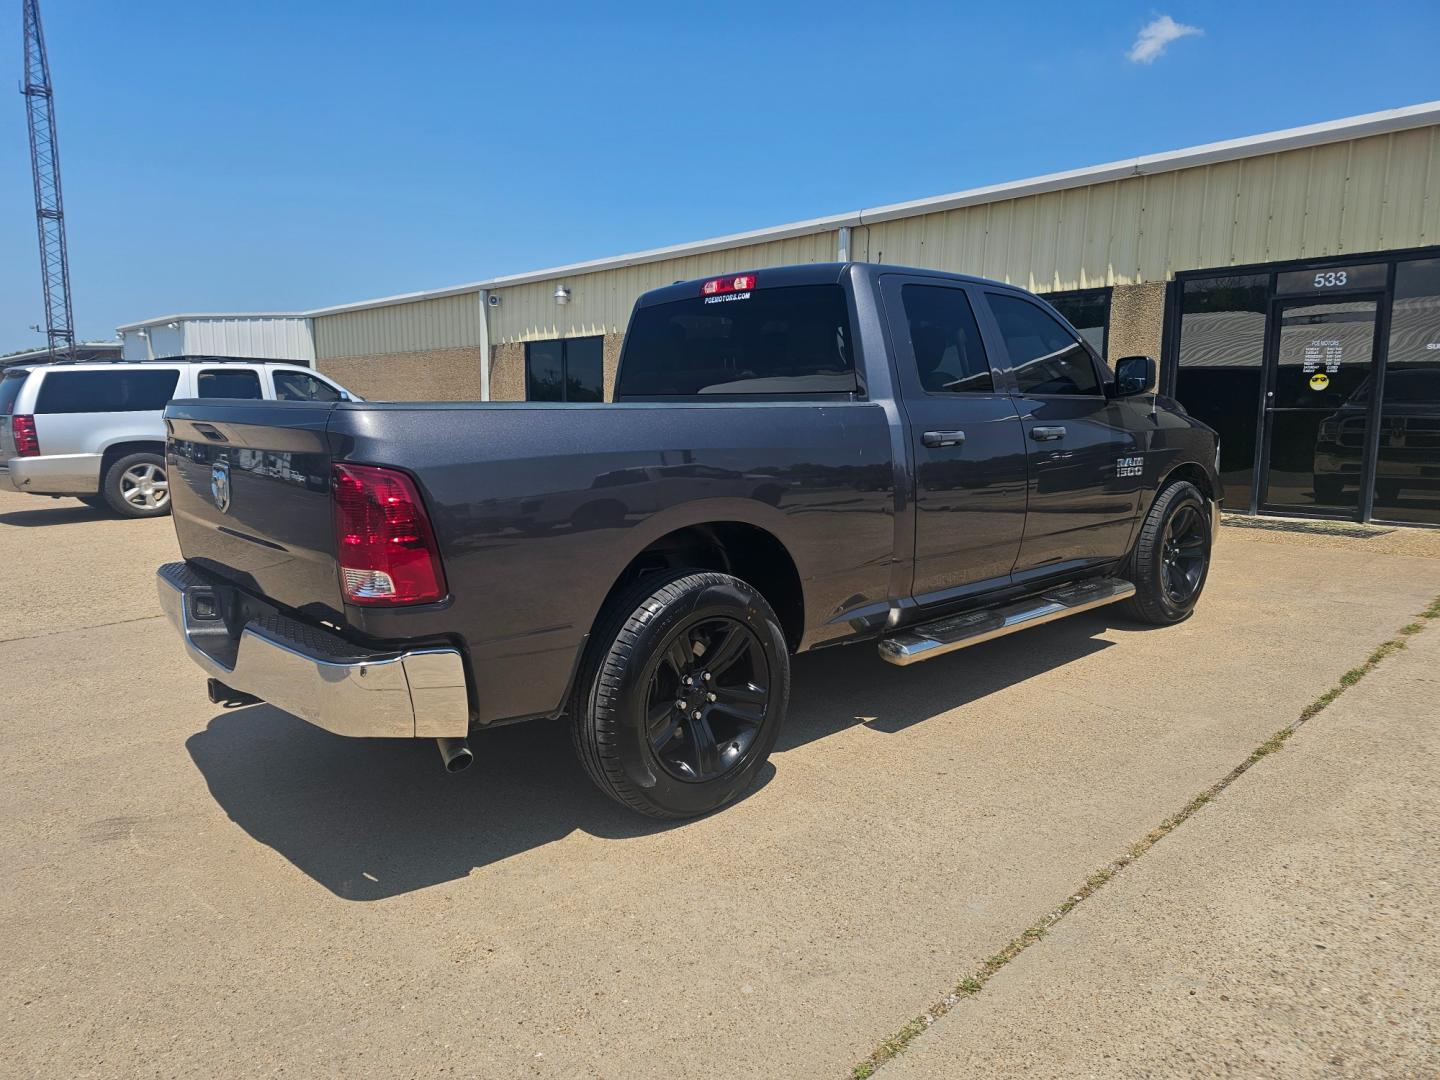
(1187,549)
(1171,557)
(682,693)
(708,698)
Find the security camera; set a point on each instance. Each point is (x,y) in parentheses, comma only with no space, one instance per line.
(494,299)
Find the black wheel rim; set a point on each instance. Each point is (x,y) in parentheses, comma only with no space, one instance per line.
(1185,551)
(708,698)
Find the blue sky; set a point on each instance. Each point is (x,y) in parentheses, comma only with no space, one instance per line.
(267,156)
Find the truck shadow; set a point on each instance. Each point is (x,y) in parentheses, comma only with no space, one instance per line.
(371,819)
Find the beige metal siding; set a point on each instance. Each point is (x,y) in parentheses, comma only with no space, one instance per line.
(600,303)
(447,322)
(1369,194)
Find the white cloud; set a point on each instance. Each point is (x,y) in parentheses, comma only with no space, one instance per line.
(1155,35)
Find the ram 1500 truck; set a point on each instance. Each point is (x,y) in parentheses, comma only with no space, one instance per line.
(795,458)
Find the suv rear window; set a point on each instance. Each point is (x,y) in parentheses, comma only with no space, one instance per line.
(10,390)
(106,391)
(794,340)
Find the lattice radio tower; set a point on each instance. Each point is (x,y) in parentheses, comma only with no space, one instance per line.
(49,206)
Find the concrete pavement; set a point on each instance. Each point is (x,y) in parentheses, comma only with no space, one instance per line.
(1288,929)
(186,890)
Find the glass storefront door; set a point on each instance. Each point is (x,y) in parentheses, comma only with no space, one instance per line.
(1287,362)
(1321,361)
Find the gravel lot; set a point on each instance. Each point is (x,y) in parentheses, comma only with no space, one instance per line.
(191,891)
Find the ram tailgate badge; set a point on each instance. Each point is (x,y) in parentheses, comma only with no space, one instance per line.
(220,486)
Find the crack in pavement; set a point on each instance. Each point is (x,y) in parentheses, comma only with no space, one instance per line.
(971,985)
(73,629)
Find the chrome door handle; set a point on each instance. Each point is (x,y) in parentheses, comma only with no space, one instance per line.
(936,439)
(1047,434)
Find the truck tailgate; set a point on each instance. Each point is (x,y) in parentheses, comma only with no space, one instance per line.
(250,493)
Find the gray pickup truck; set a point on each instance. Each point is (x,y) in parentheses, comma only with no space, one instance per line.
(795,458)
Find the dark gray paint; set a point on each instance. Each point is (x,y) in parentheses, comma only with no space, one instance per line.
(539,508)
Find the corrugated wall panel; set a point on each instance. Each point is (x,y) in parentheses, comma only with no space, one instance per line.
(1411,197)
(1042,270)
(1369,194)
(600,303)
(1254,191)
(264,337)
(1325,200)
(1068,271)
(446,322)
(1365,197)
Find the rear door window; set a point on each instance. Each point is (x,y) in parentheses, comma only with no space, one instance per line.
(793,340)
(945,340)
(300,386)
(228,383)
(106,391)
(1046,357)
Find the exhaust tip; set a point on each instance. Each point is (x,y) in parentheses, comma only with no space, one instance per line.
(456,754)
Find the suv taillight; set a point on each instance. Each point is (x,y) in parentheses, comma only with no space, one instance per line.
(27,443)
(383,540)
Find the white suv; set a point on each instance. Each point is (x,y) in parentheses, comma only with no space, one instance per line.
(94,431)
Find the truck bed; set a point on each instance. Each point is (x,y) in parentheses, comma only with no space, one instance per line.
(537,510)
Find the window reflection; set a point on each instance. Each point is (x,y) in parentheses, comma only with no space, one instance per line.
(1407,469)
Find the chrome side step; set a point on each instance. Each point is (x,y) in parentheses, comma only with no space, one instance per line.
(929,640)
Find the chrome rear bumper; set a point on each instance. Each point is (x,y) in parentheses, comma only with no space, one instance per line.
(316,675)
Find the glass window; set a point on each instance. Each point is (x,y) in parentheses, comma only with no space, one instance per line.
(300,386)
(572,369)
(1222,350)
(228,383)
(1045,357)
(1407,471)
(793,340)
(10,386)
(585,369)
(1088,312)
(544,371)
(106,391)
(945,340)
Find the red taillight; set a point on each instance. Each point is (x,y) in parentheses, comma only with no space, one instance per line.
(383,541)
(27,443)
(733,283)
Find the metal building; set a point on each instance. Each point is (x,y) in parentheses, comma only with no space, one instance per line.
(1249,267)
(282,335)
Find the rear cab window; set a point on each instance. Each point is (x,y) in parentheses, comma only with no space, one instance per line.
(122,390)
(788,340)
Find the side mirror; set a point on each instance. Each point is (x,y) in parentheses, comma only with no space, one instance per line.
(1134,375)
(344,395)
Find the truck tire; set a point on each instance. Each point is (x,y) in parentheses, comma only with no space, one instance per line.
(136,486)
(663,746)
(1171,557)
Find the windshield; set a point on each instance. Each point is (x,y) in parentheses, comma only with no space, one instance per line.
(792,340)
